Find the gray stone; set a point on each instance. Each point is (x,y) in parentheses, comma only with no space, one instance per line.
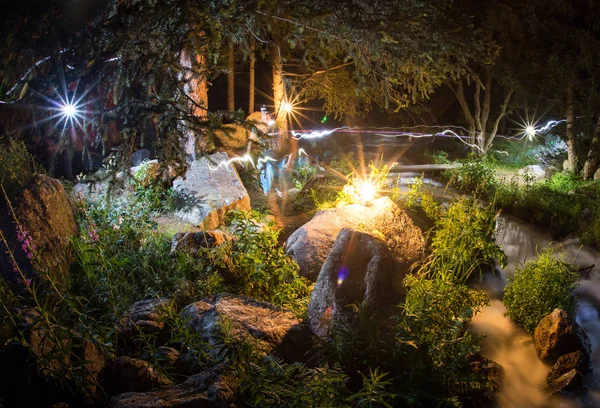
(310,245)
(276,331)
(210,389)
(567,362)
(570,383)
(597,174)
(192,242)
(144,316)
(359,269)
(211,187)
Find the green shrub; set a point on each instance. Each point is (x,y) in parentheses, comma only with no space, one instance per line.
(433,331)
(474,176)
(540,286)
(463,242)
(302,174)
(260,266)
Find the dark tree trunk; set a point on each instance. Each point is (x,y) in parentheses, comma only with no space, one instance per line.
(252,74)
(571,143)
(230,78)
(591,161)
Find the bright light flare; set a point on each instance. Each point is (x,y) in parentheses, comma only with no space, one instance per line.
(530,132)
(287,107)
(69,110)
(362,191)
(367,190)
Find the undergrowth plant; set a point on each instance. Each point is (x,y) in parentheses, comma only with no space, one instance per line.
(432,332)
(260,266)
(538,287)
(462,239)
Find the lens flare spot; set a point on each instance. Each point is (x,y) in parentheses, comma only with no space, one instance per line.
(342,275)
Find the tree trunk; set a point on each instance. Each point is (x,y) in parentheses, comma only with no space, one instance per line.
(279,97)
(571,145)
(195,87)
(230,77)
(252,73)
(591,162)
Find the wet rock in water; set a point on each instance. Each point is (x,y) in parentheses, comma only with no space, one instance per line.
(208,389)
(310,245)
(570,382)
(277,331)
(206,193)
(192,242)
(125,374)
(558,334)
(359,269)
(44,211)
(568,362)
(146,317)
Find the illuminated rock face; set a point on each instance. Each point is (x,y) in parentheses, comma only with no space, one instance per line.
(310,245)
(360,269)
(44,210)
(205,195)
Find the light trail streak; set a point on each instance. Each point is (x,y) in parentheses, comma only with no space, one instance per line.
(242,159)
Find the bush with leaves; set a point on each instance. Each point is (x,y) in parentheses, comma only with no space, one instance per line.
(433,334)
(538,287)
(260,266)
(463,241)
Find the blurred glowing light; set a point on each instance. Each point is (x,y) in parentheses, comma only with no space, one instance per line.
(342,275)
(530,132)
(366,191)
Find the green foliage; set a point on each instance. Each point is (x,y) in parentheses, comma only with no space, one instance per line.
(17,166)
(260,266)
(374,391)
(433,332)
(512,154)
(537,288)
(302,174)
(150,189)
(463,242)
(473,175)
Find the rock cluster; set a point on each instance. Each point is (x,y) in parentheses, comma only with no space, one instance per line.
(560,342)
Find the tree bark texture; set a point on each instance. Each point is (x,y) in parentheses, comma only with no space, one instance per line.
(230,77)
(591,161)
(571,143)
(279,97)
(252,75)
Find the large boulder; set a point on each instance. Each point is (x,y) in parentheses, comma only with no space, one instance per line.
(125,374)
(211,187)
(359,269)
(567,362)
(276,331)
(210,388)
(310,245)
(558,334)
(44,213)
